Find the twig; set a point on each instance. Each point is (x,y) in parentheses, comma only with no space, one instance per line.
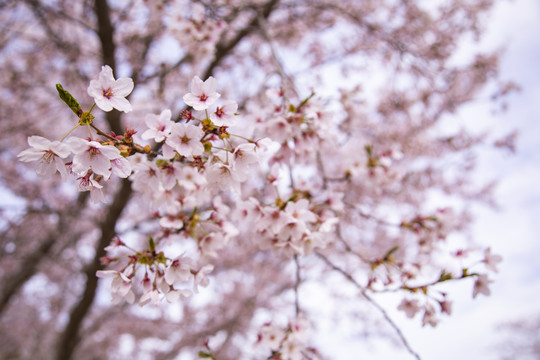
(373,302)
(296,286)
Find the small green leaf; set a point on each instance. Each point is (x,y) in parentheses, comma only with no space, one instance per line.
(69,100)
(306,100)
(390,252)
(206,355)
(445,276)
(152,245)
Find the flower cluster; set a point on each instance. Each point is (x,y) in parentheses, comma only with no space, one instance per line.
(289,343)
(163,277)
(289,228)
(190,167)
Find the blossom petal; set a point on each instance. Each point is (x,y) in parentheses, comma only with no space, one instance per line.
(122,87)
(121,104)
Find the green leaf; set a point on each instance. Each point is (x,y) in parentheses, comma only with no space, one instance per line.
(69,100)
(445,276)
(203,354)
(390,252)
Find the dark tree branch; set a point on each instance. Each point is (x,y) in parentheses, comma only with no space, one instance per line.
(70,336)
(222,50)
(108,51)
(30,263)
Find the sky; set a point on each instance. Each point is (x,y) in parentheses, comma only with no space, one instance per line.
(512,231)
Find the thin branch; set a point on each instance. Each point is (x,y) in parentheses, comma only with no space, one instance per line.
(364,293)
(277,61)
(296,286)
(223,50)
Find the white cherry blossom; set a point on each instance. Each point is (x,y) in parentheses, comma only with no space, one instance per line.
(121,167)
(91,155)
(48,153)
(203,94)
(225,115)
(120,286)
(89,183)
(159,126)
(109,93)
(271,336)
(200,277)
(185,139)
(491,260)
(481,285)
(179,270)
(410,307)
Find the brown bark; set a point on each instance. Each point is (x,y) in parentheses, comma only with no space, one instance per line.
(70,336)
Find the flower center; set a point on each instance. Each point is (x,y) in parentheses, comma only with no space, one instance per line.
(107,93)
(203,97)
(219,112)
(48,157)
(94,151)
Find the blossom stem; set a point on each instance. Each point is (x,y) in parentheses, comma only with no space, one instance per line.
(69,132)
(90,131)
(91,108)
(243,138)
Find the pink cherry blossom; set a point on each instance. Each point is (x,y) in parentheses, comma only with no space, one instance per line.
(271,336)
(200,277)
(121,167)
(491,260)
(225,115)
(159,126)
(185,139)
(430,317)
(410,307)
(109,93)
(179,270)
(48,153)
(245,157)
(91,155)
(174,295)
(120,286)
(481,285)
(88,182)
(203,94)
(152,296)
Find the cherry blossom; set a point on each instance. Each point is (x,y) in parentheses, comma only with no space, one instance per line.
(225,114)
(481,285)
(109,93)
(174,295)
(201,278)
(48,153)
(185,139)
(89,182)
(159,126)
(120,286)
(203,94)
(271,336)
(121,167)
(410,307)
(91,155)
(491,260)
(429,317)
(179,270)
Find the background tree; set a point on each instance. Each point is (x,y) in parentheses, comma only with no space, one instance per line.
(357,98)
